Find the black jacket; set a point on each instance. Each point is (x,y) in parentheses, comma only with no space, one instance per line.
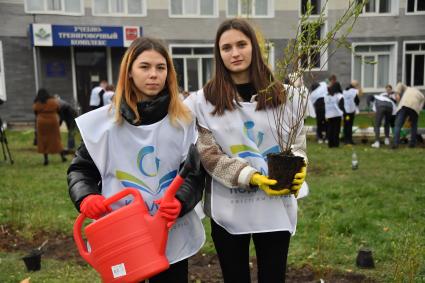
(84,178)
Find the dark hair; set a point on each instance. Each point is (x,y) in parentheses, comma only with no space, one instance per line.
(314,86)
(221,90)
(335,88)
(42,96)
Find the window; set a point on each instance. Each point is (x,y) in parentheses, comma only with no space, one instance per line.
(312,58)
(2,80)
(68,7)
(193,8)
(250,8)
(374,65)
(194,65)
(315,6)
(126,8)
(414,64)
(385,7)
(415,6)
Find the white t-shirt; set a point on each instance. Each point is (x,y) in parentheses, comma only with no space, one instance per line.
(94,96)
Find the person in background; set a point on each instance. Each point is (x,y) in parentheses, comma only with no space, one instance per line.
(317,98)
(142,139)
(233,111)
(385,108)
(333,114)
(351,102)
(332,80)
(411,103)
(296,80)
(46,109)
(96,95)
(396,99)
(67,114)
(109,94)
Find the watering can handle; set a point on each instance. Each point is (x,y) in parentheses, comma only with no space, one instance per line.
(80,219)
(124,193)
(79,239)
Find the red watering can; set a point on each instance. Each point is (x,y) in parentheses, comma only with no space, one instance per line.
(128,244)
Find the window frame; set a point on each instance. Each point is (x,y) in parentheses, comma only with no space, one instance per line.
(270,10)
(404,60)
(194,16)
(392,75)
(191,56)
(300,14)
(415,12)
(323,57)
(394,10)
(62,12)
(125,14)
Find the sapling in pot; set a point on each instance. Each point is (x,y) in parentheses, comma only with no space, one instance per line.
(305,52)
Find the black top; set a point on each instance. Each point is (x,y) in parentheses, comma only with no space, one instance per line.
(246,91)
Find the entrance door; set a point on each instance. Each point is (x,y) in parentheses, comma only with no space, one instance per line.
(90,68)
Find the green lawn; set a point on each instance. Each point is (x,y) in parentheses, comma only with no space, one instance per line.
(367,119)
(380,206)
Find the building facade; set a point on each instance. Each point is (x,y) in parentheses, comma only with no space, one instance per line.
(69,46)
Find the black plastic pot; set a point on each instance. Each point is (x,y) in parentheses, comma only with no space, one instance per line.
(283,167)
(33,260)
(365,258)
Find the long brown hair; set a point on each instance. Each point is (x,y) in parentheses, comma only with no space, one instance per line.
(221,90)
(126,89)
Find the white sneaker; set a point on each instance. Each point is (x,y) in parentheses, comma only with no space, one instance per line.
(319,141)
(375,144)
(387,141)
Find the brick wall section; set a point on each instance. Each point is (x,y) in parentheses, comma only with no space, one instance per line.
(20,81)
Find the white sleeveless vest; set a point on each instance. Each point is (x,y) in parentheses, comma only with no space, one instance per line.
(247,134)
(146,158)
(332,109)
(319,92)
(349,95)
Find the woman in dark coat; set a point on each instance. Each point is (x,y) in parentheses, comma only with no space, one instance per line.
(46,109)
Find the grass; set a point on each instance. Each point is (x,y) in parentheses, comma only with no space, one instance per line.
(380,206)
(367,119)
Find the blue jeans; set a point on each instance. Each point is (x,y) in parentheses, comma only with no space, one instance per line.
(401,117)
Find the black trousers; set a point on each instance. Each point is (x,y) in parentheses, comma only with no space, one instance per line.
(233,253)
(334,127)
(383,112)
(319,108)
(348,127)
(177,273)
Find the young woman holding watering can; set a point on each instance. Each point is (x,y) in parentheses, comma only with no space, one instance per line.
(236,130)
(141,141)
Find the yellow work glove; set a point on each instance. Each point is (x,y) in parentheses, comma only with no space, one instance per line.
(298,181)
(264,183)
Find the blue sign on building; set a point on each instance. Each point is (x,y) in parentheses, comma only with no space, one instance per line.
(63,35)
